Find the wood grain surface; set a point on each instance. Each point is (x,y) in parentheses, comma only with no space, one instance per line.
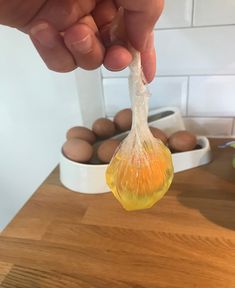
(66,239)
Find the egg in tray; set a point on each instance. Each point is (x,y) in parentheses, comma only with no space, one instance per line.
(86,153)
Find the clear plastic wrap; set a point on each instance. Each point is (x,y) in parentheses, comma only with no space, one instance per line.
(141,170)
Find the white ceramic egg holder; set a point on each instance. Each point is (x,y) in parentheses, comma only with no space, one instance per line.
(90,178)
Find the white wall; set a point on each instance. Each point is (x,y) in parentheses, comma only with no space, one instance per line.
(36,108)
(196,66)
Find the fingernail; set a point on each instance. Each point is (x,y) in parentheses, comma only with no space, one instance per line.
(117,69)
(43,35)
(83,46)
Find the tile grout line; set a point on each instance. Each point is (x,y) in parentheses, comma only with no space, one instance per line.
(172,76)
(192,15)
(191,116)
(187,99)
(195,27)
(210,117)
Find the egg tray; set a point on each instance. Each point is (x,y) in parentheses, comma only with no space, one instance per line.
(90,178)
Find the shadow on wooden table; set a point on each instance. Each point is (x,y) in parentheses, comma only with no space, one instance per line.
(215,200)
(211,188)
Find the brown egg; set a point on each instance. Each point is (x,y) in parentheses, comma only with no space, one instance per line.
(106,150)
(182,141)
(104,128)
(157,133)
(78,150)
(123,120)
(81,133)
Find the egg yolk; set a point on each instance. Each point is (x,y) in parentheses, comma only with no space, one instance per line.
(141,179)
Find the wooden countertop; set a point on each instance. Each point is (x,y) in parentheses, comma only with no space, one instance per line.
(66,239)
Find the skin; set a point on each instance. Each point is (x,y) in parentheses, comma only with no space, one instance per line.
(76,33)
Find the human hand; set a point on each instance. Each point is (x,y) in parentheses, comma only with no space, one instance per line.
(75,33)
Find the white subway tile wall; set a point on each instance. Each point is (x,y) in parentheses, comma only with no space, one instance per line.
(164,91)
(196,66)
(214,12)
(210,126)
(196,51)
(212,96)
(176,13)
(169,91)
